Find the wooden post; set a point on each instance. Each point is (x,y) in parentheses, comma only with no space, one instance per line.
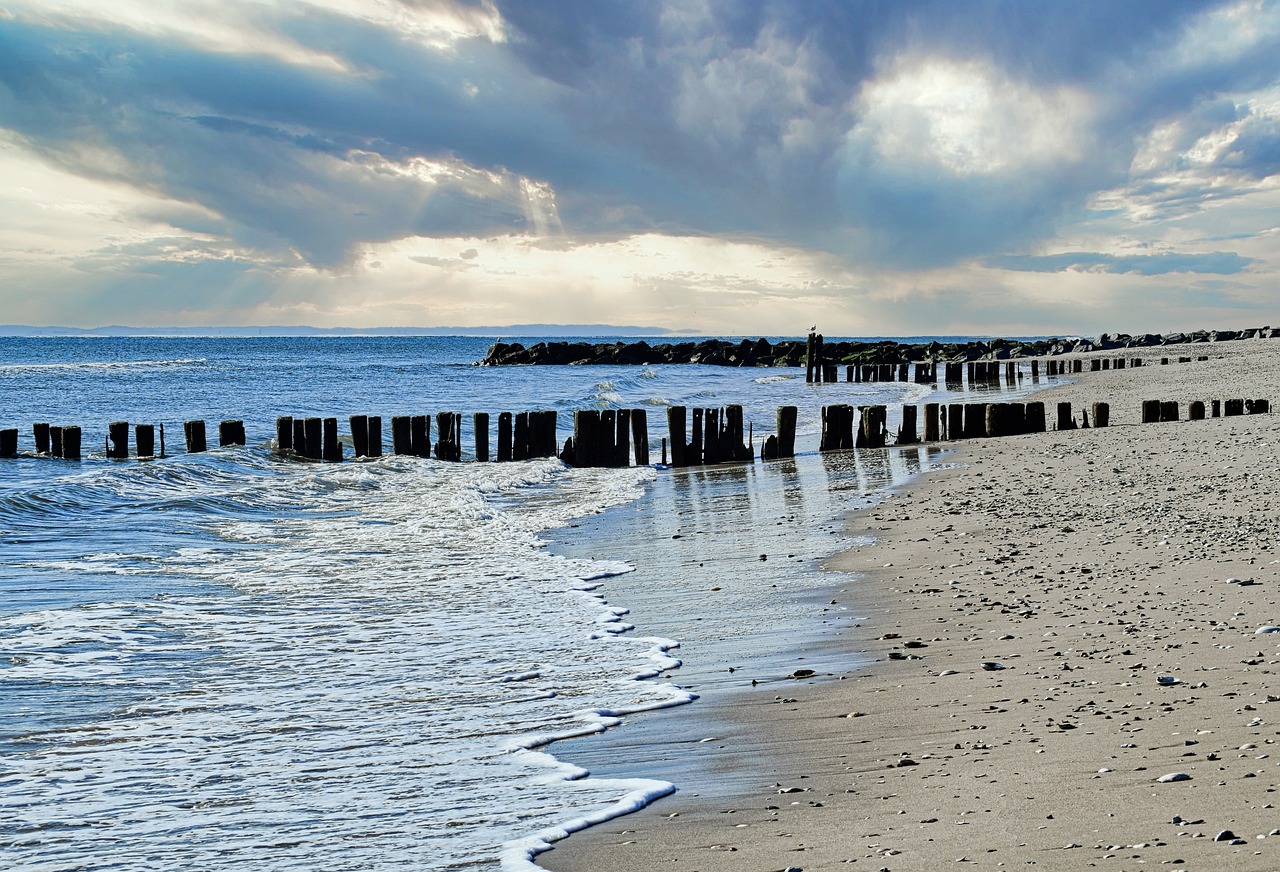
(907,433)
(1195,411)
(375,435)
(1261,407)
(231,433)
(676,428)
(1231,408)
(693,452)
(585,424)
(41,433)
(622,439)
(1034,418)
(300,437)
(1216,406)
(55,441)
(931,430)
(520,439)
(9,442)
(315,437)
(71,443)
(332,446)
(420,435)
(787,430)
(480,423)
(710,436)
(118,439)
(848,372)
(955,421)
(401,439)
(144,440)
(1101,414)
(1150,411)
(1169,410)
(284,435)
(664,450)
(640,435)
(605,452)
(195,434)
(995,423)
(837,427)
(448,436)
(808,362)
(504,437)
(1065,421)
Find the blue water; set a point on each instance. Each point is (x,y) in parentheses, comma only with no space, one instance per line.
(227,660)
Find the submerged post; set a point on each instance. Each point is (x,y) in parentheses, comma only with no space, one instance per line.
(9,442)
(231,433)
(195,434)
(420,435)
(284,433)
(118,440)
(41,433)
(401,441)
(640,435)
(504,437)
(676,428)
(332,446)
(144,438)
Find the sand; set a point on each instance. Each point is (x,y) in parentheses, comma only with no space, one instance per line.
(1077,618)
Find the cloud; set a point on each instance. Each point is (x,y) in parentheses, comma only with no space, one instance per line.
(898,139)
(1217,262)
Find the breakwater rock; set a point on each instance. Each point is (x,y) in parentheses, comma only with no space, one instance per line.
(790,352)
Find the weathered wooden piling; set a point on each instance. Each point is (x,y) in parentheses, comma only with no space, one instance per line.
(606,450)
(420,435)
(448,436)
(931,429)
(975,420)
(837,427)
(830,373)
(375,435)
(332,445)
(586,423)
(907,432)
(231,433)
(676,429)
(195,436)
(622,439)
(996,423)
(9,442)
(284,435)
(1195,411)
(1101,414)
(808,361)
(542,427)
(1035,370)
(1231,408)
(55,441)
(955,421)
(401,438)
(505,422)
(1169,410)
(711,436)
(1216,408)
(480,424)
(693,451)
(1261,407)
(314,447)
(1065,420)
(300,437)
(873,431)
(71,443)
(1034,417)
(640,436)
(786,423)
(117,440)
(41,433)
(144,440)
(520,437)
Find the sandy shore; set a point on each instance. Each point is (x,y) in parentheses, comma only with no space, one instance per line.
(1077,618)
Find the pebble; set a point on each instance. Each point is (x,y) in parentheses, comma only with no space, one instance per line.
(1224,836)
(992,666)
(1267,629)
(1173,776)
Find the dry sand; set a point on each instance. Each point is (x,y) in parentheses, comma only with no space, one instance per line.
(1090,568)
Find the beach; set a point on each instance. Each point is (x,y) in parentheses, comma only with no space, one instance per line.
(1066,663)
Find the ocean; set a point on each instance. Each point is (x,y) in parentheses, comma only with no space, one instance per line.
(228,660)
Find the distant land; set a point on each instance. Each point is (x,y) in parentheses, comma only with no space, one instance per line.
(512,330)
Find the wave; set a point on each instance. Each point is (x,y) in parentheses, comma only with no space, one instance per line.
(105,364)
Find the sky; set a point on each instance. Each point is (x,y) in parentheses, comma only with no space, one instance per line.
(907,167)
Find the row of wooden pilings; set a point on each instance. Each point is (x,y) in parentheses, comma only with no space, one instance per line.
(986,372)
(606,438)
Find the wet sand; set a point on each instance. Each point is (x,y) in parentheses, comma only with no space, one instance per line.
(1076,615)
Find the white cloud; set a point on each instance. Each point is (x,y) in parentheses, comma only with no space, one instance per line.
(969,118)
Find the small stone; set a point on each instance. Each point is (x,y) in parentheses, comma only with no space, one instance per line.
(1224,836)
(1173,776)
(992,666)
(1267,629)
(803,673)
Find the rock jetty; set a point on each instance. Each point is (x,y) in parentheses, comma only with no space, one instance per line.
(790,352)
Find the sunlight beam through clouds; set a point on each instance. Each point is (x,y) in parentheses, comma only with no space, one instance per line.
(724,165)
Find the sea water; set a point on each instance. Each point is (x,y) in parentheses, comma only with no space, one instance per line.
(228,660)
